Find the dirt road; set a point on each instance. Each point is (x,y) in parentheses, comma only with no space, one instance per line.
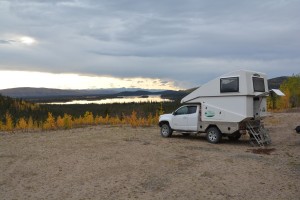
(137,163)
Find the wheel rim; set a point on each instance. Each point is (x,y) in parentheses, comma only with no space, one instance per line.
(165,131)
(212,135)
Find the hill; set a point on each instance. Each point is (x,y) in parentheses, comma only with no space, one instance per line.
(274,83)
(29,92)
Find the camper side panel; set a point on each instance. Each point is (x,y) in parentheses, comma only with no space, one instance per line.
(226,109)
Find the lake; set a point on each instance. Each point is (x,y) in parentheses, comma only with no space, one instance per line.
(127,99)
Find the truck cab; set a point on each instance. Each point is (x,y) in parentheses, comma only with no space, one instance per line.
(184,118)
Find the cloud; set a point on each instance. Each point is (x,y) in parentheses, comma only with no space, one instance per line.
(75,81)
(4,42)
(188,42)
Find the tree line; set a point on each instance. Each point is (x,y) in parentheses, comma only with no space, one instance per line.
(67,121)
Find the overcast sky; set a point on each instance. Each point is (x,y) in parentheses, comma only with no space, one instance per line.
(174,42)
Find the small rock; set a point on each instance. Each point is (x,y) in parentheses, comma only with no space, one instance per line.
(297,129)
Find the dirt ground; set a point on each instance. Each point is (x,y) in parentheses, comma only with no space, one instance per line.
(137,163)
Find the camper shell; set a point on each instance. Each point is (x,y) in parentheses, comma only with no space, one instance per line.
(231,98)
(229,105)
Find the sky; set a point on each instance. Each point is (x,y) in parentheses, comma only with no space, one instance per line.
(157,44)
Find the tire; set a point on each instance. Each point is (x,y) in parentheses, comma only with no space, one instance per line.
(166,130)
(213,135)
(234,137)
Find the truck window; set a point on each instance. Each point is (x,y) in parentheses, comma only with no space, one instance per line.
(182,111)
(230,84)
(192,109)
(258,84)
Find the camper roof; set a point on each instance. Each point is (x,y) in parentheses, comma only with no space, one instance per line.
(236,83)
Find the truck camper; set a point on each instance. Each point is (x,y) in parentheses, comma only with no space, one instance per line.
(230,105)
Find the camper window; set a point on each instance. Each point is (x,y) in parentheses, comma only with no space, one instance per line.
(258,84)
(229,84)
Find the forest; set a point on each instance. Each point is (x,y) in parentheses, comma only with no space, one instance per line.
(18,114)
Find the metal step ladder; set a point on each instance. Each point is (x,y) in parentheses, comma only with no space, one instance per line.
(260,135)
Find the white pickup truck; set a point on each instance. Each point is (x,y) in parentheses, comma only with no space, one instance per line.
(187,119)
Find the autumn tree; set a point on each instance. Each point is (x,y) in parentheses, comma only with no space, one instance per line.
(133,119)
(78,121)
(59,122)
(50,123)
(150,119)
(30,124)
(291,89)
(8,122)
(88,118)
(68,122)
(22,124)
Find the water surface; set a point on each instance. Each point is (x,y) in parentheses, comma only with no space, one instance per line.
(131,99)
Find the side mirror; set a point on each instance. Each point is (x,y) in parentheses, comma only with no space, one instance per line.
(173,113)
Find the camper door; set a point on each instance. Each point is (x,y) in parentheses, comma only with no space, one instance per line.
(259,106)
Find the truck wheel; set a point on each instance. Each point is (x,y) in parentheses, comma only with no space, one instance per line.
(166,130)
(213,135)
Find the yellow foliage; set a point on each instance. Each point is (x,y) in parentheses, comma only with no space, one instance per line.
(59,122)
(68,122)
(106,119)
(291,89)
(78,121)
(142,122)
(50,122)
(9,123)
(133,120)
(30,124)
(150,120)
(115,120)
(283,102)
(98,119)
(22,124)
(88,118)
